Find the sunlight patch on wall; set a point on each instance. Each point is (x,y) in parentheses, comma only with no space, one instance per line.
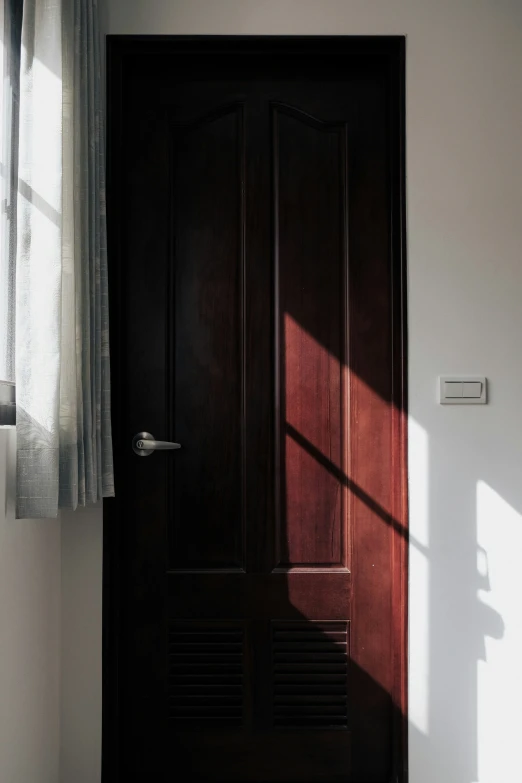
(499,685)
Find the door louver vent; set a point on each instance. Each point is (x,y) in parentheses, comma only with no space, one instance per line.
(205,675)
(310,671)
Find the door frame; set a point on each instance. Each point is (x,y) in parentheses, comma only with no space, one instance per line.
(392,49)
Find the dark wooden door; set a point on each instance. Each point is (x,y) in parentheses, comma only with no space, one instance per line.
(260,580)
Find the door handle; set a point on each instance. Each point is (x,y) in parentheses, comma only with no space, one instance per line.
(144,444)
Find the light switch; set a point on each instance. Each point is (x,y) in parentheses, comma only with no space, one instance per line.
(462,390)
(472,389)
(453,389)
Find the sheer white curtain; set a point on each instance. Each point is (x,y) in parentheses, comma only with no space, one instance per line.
(64,449)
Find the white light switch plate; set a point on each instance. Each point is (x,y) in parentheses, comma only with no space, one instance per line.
(462,390)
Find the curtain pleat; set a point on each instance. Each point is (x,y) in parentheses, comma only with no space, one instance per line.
(11,42)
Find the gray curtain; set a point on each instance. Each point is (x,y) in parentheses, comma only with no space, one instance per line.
(11,33)
(64,445)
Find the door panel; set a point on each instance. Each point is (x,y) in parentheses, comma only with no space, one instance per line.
(258,640)
(207,370)
(311,257)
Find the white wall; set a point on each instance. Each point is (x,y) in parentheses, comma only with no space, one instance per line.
(81,608)
(29,637)
(464,163)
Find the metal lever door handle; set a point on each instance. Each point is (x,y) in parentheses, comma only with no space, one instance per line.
(144,444)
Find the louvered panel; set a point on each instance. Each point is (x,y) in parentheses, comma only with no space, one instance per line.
(205,675)
(310,672)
